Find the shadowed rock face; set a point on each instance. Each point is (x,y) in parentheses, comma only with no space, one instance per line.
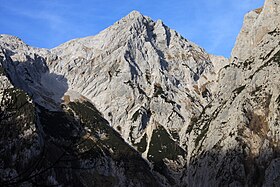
(138,105)
(45,141)
(143,77)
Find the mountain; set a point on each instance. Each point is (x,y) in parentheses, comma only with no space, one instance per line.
(146,80)
(46,143)
(238,141)
(139,105)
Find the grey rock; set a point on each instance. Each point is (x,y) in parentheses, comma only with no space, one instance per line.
(195,118)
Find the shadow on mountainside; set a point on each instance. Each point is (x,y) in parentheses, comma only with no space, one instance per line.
(232,168)
(31,74)
(73,146)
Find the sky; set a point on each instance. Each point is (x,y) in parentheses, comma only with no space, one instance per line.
(213,25)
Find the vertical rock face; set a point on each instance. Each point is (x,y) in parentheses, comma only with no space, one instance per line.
(257,24)
(138,104)
(236,139)
(146,79)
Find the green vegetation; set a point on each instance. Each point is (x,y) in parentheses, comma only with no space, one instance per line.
(101,180)
(105,135)
(17,115)
(88,137)
(109,142)
(162,146)
(17,103)
(59,125)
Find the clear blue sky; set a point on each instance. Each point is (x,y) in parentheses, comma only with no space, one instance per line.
(213,25)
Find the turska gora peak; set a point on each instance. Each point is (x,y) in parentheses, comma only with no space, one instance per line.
(139,105)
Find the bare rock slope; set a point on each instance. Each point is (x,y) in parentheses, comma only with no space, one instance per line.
(138,104)
(238,133)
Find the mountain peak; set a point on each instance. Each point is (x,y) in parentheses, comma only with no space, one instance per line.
(135,13)
(9,38)
(139,94)
(133,16)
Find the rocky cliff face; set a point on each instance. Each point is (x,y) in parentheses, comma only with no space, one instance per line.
(48,141)
(140,105)
(236,139)
(146,79)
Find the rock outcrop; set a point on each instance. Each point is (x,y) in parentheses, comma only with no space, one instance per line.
(47,141)
(139,105)
(146,79)
(236,139)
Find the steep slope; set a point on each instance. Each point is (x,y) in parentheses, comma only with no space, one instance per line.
(45,141)
(138,104)
(257,24)
(235,142)
(145,78)
(19,136)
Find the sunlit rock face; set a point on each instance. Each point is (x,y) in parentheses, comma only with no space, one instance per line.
(146,79)
(49,138)
(238,133)
(139,105)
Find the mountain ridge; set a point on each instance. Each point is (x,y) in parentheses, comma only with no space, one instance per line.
(193,119)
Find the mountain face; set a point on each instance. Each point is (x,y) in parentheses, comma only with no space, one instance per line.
(46,142)
(238,143)
(139,105)
(146,80)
